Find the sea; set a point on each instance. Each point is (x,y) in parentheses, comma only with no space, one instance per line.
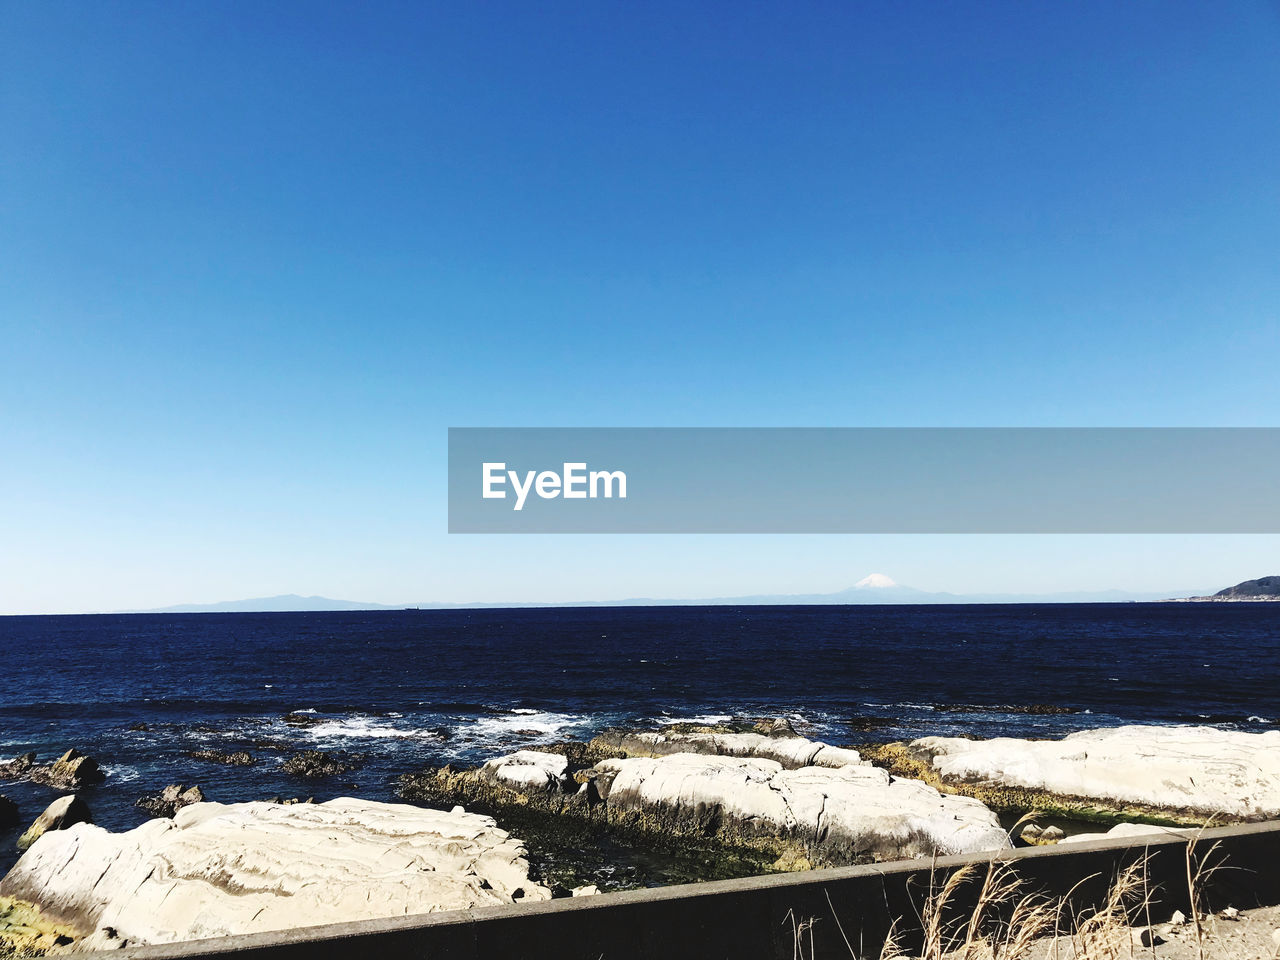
(396,691)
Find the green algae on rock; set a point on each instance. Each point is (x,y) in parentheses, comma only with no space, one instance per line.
(903,760)
(26,932)
(62,813)
(573,840)
(768,802)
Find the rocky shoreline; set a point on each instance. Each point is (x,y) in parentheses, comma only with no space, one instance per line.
(629,807)
(796,802)
(1157,776)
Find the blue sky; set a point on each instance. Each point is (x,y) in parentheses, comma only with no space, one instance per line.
(257,259)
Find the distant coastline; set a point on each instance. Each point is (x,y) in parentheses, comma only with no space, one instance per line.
(294,603)
(875,589)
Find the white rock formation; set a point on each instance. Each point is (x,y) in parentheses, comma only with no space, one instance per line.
(219,869)
(845,811)
(1200,769)
(528,770)
(791,752)
(59,815)
(1122,830)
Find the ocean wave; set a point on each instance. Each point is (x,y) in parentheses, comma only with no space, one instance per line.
(900,705)
(367,728)
(521,725)
(701,720)
(1228,720)
(801,720)
(120,773)
(456,707)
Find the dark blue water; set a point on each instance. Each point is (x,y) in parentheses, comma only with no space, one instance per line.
(405,689)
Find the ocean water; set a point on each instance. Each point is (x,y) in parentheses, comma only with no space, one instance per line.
(400,690)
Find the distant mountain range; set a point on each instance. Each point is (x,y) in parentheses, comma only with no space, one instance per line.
(876,588)
(284,603)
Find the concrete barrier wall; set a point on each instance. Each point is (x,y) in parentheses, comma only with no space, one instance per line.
(851,908)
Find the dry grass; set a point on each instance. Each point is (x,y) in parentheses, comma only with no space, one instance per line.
(984,934)
(1008,923)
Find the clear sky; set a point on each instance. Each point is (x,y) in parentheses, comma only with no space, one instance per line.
(256,258)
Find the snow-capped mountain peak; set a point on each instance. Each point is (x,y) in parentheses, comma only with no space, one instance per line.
(876,581)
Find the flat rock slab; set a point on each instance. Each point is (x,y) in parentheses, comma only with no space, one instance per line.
(1121,830)
(221,869)
(528,770)
(1196,769)
(842,812)
(792,752)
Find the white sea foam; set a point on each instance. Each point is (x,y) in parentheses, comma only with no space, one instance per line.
(711,719)
(520,725)
(366,728)
(903,705)
(704,719)
(120,773)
